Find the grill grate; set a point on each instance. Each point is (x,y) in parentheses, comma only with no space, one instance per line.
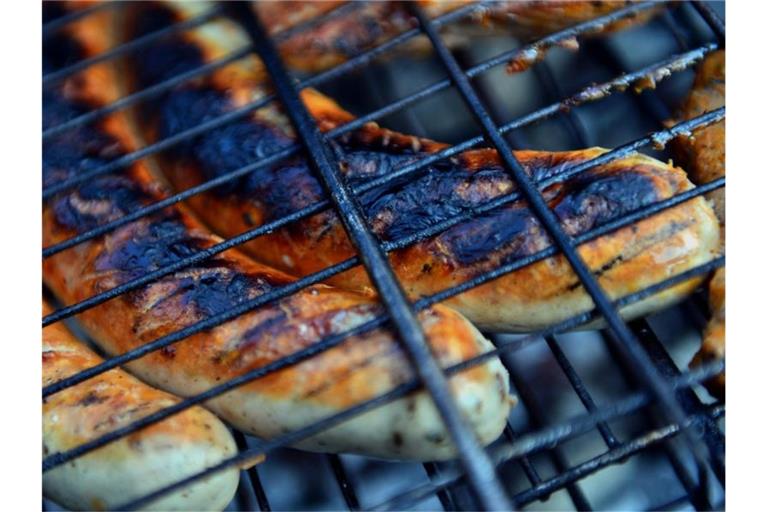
(635,347)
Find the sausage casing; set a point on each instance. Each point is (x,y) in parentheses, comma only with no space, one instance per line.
(133,466)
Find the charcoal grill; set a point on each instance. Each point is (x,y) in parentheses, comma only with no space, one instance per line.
(558,443)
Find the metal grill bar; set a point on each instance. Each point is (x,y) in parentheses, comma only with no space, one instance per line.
(578,133)
(576,473)
(54,26)
(525,463)
(445,497)
(56,76)
(540,439)
(694,491)
(713,20)
(527,444)
(581,390)
(475,461)
(613,456)
(59,458)
(712,436)
(534,198)
(538,421)
(253,474)
(347,491)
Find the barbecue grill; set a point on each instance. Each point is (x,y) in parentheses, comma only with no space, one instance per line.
(607,419)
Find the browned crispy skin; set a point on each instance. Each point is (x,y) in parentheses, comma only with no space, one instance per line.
(704,156)
(704,152)
(139,463)
(371,23)
(360,368)
(535,296)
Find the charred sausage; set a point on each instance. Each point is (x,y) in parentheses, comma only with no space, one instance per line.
(361,368)
(532,297)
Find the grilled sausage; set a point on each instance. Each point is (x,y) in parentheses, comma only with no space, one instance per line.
(343,35)
(704,156)
(163,453)
(704,152)
(533,297)
(360,368)
(713,344)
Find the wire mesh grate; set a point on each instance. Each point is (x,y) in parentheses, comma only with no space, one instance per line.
(672,386)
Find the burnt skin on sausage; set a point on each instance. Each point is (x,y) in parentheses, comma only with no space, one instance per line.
(360,368)
(538,295)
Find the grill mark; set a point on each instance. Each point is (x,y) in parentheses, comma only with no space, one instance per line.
(667,232)
(91,398)
(287,330)
(392,351)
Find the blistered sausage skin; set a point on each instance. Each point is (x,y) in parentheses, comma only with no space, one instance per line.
(536,296)
(360,368)
(161,454)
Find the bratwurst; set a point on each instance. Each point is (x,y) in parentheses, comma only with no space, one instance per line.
(533,297)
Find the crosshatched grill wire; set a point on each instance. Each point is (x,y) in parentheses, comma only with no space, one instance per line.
(532,414)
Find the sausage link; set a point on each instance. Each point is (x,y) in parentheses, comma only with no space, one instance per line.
(144,461)
(704,155)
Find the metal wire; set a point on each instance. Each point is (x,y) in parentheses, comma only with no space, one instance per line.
(253,475)
(53,26)
(536,412)
(597,417)
(539,440)
(640,328)
(713,20)
(347,491)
